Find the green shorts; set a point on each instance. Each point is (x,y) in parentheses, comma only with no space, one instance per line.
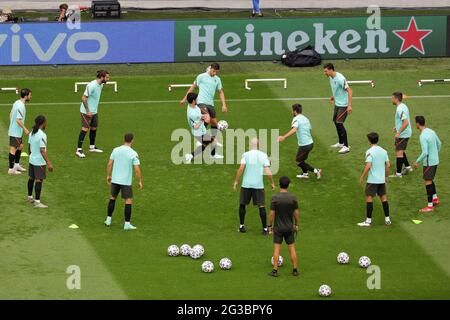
(15,142)
(37,172)
(126,191)
(89,121)
(289,237)
(258,196)
(340,114)
(372,189)
(429,172)
(206,108)
(401,143)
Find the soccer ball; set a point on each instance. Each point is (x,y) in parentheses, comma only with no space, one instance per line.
(324,290)
(173,251)
(222,125)
(225,264)
(200,248)
(207,267)
(185,250)
(364,262)
(343,258)
(195,253)
(280,261)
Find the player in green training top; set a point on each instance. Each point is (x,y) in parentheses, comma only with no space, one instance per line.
(342,100)
(431,145)
(376,170)
(403,132)
(208,84)
(283,211)
(121,162)
(254,164)
(302,126)
(16,129)
(89,112)
(196,121)
(39,161)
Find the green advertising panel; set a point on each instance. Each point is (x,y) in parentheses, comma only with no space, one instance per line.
(333,38)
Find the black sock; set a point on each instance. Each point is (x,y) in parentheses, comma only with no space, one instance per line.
(17,156)
(241,213)
(12,158)
(111,205)
(38,189)
(399,165)
(386,208)
(405,160)
(263,216)
(127,212)
(81,139)
(434,188)
(92,135)
(369,209)
(430,193)
(30,187)
(344,136)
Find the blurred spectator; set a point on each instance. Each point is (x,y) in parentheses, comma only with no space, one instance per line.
(7,16)
(62,12)
(256,9)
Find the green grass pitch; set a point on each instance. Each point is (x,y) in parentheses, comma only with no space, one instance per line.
(195,203)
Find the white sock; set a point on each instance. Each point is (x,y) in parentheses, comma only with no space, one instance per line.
(408,167)
(316,170)
(92,146)
(127,224)
(430,204)
(435,196)
(369,220)
(241,225)
(108,219)
(37,201)
(30,197)
(79,149)
(387,219)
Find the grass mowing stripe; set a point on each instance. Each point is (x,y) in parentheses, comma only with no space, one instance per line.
(37,247)
(232,100)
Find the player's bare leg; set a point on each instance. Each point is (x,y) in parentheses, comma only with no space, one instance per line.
(276,256)
(293,254)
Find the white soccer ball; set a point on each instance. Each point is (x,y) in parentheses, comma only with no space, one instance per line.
(195,253)
(222,125)
(173,250)
(225,264)
(280,261)
(343,258)
(324,290)
(185,250)
(207,267)
(364,262)
(200,248)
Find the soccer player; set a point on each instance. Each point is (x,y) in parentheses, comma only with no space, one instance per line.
(403,132)
(88,110)
(431,145)
(302,126)
(16,129)
(376,170)
(196,121)
(121,162)
(284,211)
(254,164)
(208,84)
(39,161)
(342,100)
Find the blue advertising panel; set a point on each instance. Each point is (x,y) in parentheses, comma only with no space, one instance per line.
(93,42)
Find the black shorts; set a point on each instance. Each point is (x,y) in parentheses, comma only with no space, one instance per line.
(401,143)
(89,121)
(37,172)
(206,108)
(340,114)
(289,237)
(127,191)
(429,172)
(15,142)
(372,189)
(303,152)
(258,196)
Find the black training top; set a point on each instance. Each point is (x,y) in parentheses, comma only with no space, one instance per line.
(284,204)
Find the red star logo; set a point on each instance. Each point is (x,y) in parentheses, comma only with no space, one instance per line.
(412,37)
